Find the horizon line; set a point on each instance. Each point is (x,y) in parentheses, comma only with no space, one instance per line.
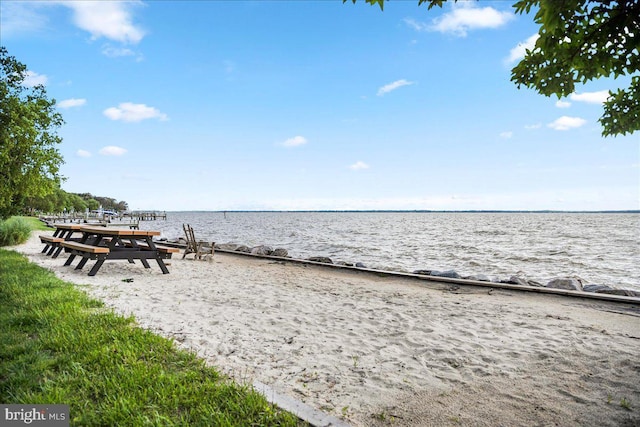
(403,210)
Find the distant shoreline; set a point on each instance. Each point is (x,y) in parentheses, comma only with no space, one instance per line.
(631,211)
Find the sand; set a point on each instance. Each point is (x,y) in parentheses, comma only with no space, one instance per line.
(375,350)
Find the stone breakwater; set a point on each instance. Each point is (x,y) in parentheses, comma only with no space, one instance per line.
(566,283)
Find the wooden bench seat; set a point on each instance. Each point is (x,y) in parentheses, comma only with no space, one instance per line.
(51,245)
(160,248)
(50,239)
(81,247)
(87,252)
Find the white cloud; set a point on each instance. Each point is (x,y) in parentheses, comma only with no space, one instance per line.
(562,104)
(591,97)
(393,86)
(112,150)
(83,153)
(566,123)
(115,52)
(296,141)
(518,52)
(129,112)
(533,126)
(359,165)
(506,134)
(466,16)
(418,26)
(72,102)
(32,79)
(110,19)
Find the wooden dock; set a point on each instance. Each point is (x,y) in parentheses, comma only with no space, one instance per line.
(145,215)
(124,219)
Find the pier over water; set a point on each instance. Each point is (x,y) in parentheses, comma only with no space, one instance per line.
(145,215)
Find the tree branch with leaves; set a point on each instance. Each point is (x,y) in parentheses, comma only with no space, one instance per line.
(580,41)
(29,159)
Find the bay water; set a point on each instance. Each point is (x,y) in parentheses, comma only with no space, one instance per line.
(601,248)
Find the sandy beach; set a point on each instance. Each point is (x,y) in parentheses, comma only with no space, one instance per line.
(375,350)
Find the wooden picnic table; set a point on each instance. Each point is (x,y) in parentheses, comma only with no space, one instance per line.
(102,244)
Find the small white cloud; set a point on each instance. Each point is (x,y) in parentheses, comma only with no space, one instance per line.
(418,26)
(72,102)
(506,134)
(129,112)
(109,19)
(296,141)
(359,165)
(83,153)
(393,86)
(466,16)
(533,126)
(116,52)
(112,150)
(566,123)
(591,97)
(32,79)
(562,104)
(518,52)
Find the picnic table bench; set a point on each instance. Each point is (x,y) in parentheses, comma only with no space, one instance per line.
(62,233)
(102,244)
(50,243)
(87,252)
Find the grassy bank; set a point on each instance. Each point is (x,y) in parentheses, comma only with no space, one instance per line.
(59,346)
(35,223)
(17,229)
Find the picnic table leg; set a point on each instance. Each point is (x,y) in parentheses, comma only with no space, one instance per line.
(96,266)
(57,252)
(142,260)
(70,259)
(82,263)
(162,266)
(159,260)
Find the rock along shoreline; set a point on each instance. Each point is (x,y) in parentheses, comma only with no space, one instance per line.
(559,283)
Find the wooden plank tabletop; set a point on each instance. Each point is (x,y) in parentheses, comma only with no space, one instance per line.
(104,231)
(68,226)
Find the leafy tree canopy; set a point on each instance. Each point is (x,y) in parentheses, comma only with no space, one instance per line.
(579,41)
(29,160)
(60,201)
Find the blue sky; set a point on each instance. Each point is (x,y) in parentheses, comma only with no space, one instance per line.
(296,105)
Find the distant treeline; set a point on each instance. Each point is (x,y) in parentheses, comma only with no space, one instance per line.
(61,201)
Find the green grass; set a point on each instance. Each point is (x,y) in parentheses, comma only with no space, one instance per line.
(35,223)
(59,346)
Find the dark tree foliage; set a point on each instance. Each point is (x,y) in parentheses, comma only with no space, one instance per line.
(581,40)
(60,201)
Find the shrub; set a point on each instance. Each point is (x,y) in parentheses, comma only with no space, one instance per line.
(14,231)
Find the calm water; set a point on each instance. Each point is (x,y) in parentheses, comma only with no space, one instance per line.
(599,248)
